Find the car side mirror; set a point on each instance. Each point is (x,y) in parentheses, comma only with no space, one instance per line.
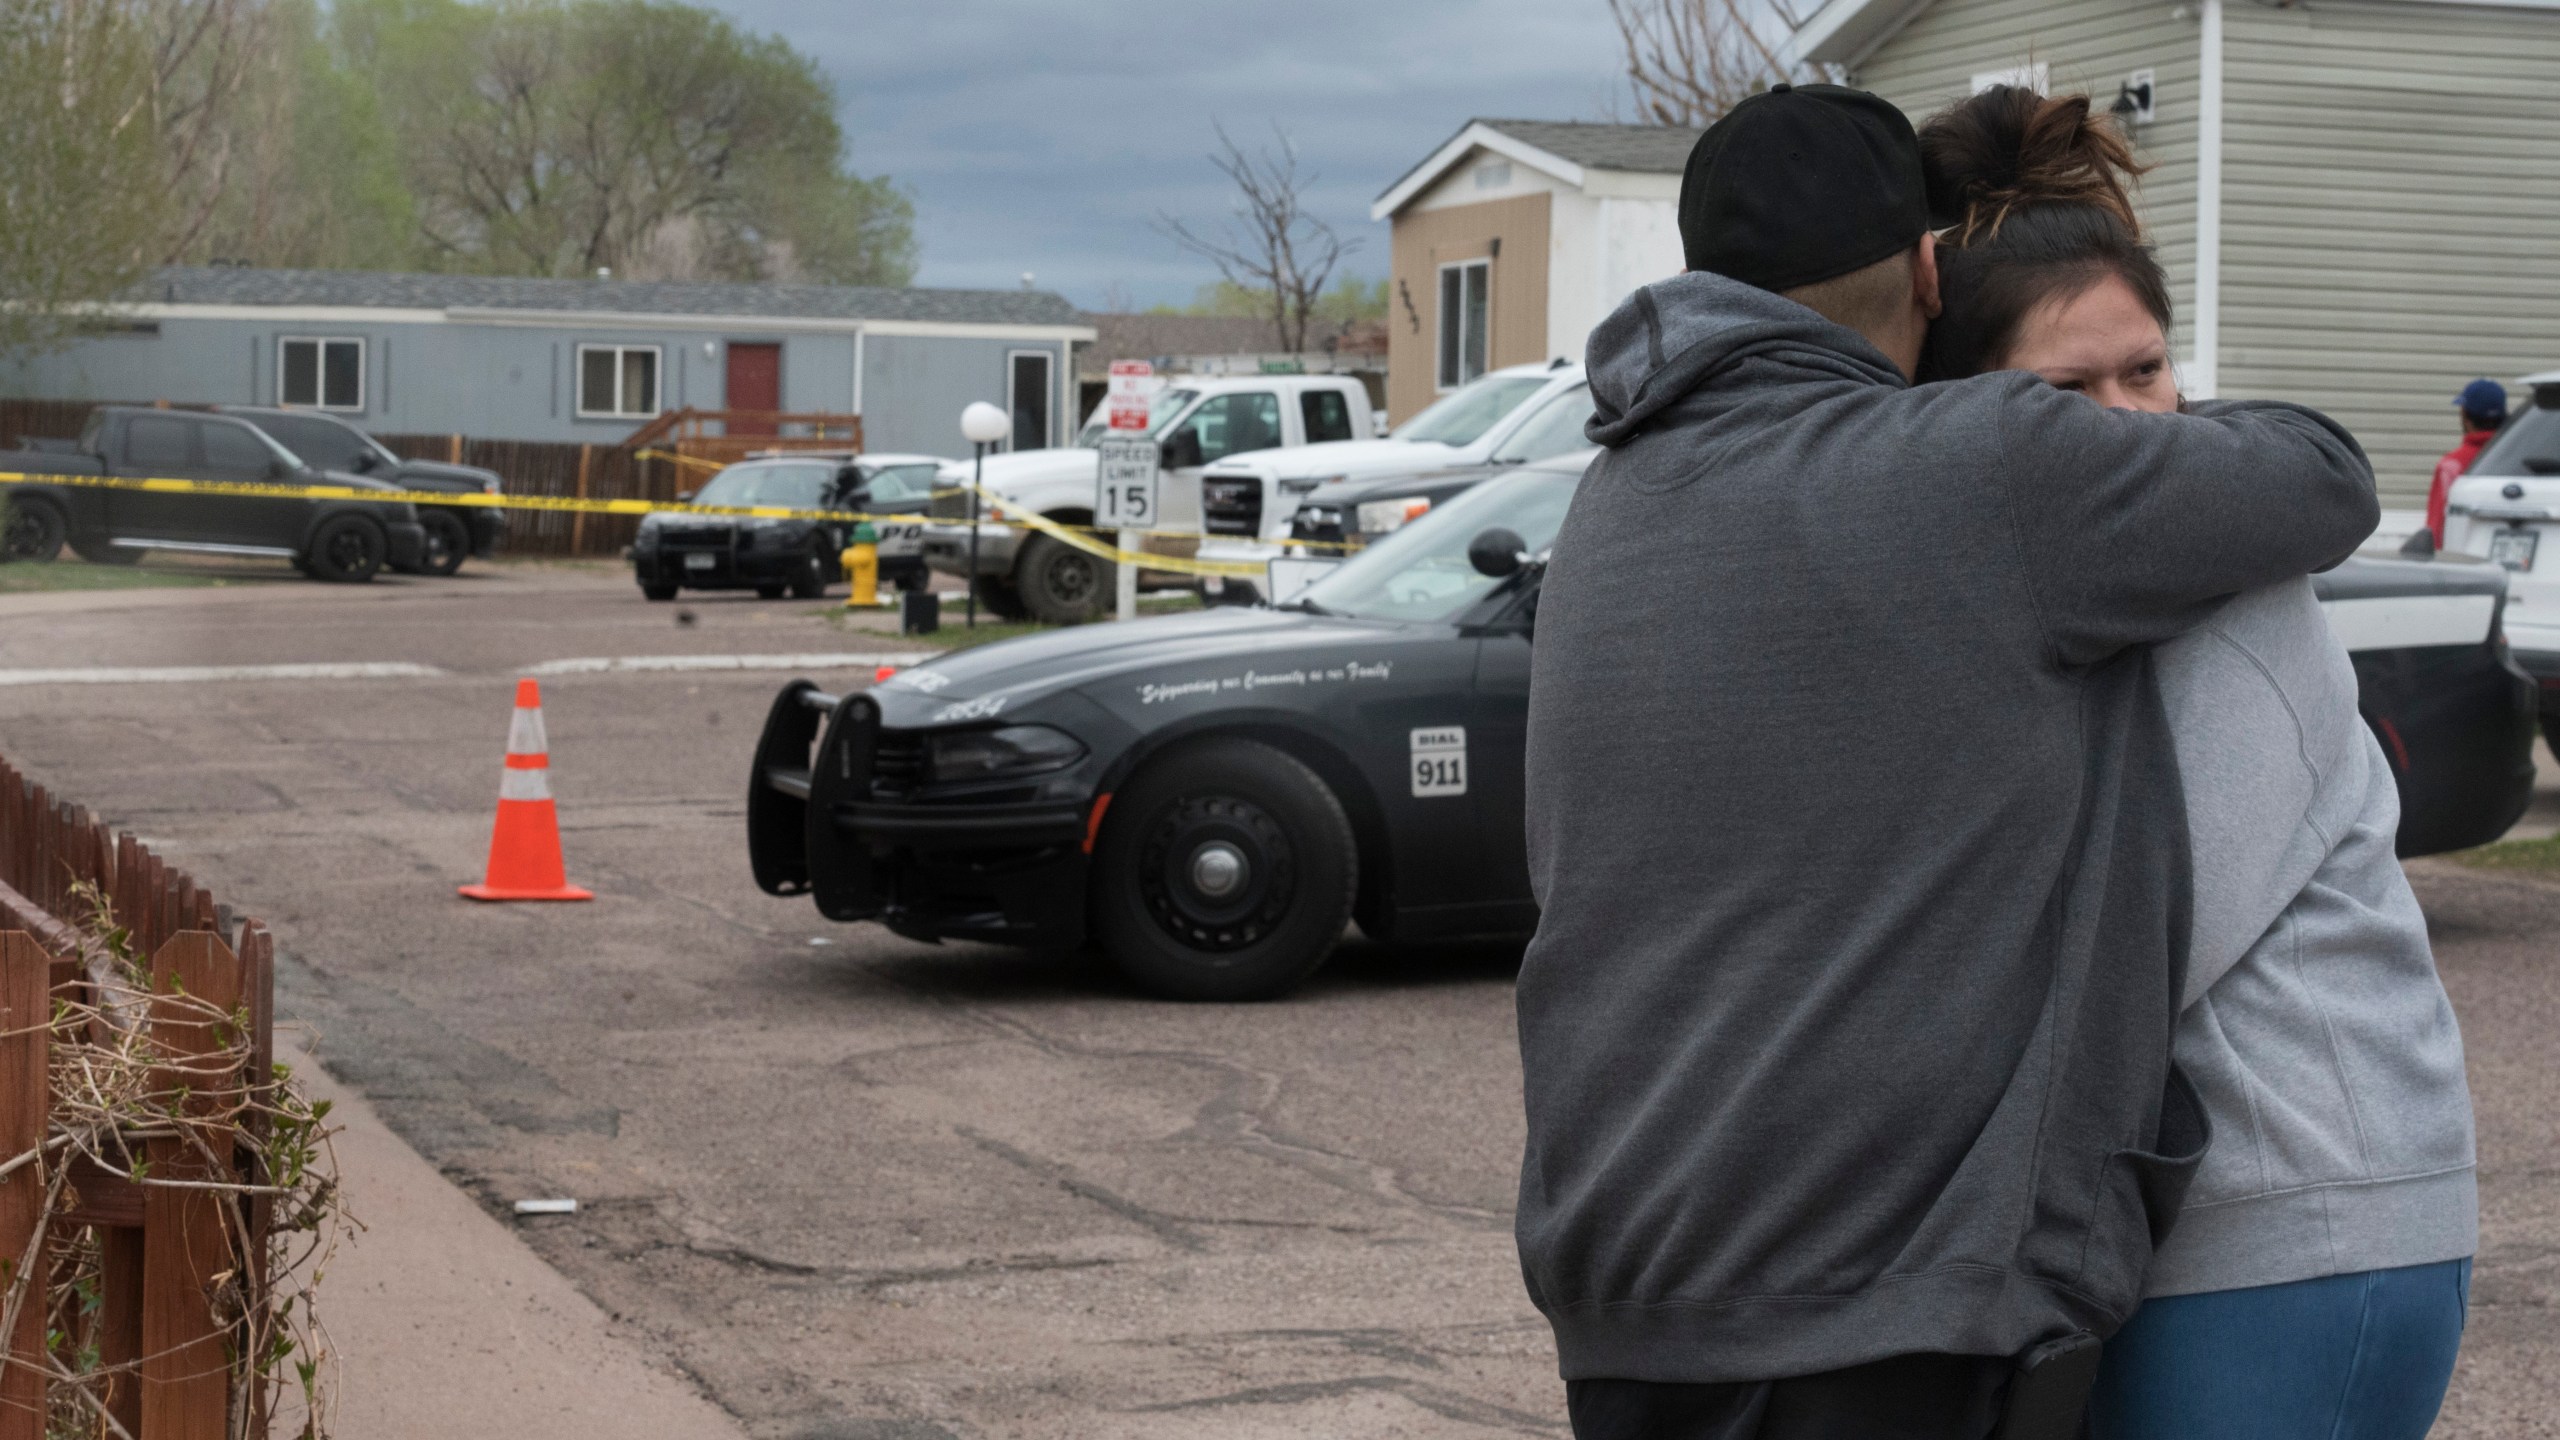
(278,470)
(1498,552)
(364,462)
(2421,544)
(1181,450)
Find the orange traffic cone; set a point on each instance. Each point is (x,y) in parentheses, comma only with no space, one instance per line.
(524,853)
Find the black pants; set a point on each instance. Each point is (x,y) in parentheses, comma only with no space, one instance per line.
(1906,1397)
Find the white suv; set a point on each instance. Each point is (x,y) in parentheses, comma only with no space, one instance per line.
(2504,510)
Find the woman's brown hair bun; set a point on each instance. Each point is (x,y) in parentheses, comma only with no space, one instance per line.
(2009,147)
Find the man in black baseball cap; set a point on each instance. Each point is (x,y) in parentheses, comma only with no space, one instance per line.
(1856,829)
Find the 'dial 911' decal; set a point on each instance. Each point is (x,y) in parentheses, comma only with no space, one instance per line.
(1440,761)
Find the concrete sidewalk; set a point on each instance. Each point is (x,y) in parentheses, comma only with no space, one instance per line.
(443,1323)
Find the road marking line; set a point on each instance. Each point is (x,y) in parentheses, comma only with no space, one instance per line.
(604,664)
(198,674)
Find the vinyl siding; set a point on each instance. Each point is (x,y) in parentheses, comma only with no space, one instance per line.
(2091,46)
(1426,239)
(2391,195)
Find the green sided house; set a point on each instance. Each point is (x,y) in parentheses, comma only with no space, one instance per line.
(2358,200)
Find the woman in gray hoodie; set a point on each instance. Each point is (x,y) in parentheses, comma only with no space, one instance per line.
(2315,1283)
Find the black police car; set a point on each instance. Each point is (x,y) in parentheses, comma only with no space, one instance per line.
(454,533)
(676,552)
(1209,797)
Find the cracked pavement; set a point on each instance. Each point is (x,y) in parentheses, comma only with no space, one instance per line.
(859,1188)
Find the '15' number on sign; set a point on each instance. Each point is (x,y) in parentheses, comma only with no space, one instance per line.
(1440,761)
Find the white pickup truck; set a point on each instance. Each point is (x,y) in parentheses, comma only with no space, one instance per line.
(1249,500)
(1197,421)
(2502,509)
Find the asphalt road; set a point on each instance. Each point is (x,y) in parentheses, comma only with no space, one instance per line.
(855,1186)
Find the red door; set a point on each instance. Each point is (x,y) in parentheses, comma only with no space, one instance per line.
(755,383)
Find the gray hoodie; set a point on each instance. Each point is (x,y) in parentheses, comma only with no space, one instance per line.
(1854,823)
(2316,1031)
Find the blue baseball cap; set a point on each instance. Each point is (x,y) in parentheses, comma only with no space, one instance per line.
(2483,400)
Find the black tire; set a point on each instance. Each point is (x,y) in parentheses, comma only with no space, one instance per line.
(100,552)
(31,530)
(1289,853)
(809,582)
(2551,734)
(771,592)
(1060,584)
(658,592)
(448,541)
(1000,599)
(346,551)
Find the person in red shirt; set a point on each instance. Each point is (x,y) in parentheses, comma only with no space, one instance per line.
(2483,404)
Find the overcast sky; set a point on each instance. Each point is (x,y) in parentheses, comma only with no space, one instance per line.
(1042,135)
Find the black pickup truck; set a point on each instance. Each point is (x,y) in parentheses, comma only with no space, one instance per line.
(455,533)
(327,539)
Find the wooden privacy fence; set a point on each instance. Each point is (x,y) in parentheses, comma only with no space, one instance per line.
(180,1257)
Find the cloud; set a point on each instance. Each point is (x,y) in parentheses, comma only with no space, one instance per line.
(1042,135)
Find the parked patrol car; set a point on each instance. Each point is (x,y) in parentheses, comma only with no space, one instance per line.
(1209,797)
(675,551)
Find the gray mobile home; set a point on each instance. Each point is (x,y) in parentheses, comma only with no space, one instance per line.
(574,360)
(2358,200)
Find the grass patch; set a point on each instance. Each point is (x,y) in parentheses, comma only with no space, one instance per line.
(22,579)
(2527,856)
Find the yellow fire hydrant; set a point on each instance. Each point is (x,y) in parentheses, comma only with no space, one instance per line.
(862,566)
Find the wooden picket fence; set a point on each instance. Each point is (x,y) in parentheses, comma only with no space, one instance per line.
(165,1250)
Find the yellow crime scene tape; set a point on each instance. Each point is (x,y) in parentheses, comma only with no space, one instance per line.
(1085,538)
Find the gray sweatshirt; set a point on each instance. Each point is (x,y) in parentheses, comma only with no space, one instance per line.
(2316,1031)
(1855,825)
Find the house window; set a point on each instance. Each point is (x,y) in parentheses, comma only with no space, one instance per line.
(325,374)
(1031,398)
(1465,302)
(618,380)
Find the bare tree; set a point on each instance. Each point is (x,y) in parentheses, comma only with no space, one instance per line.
(1690,61)
(201,51)
(1272,245)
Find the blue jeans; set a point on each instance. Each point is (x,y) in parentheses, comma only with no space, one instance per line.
(2349,1357)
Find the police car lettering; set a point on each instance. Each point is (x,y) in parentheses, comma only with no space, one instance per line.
(1344,674)
(978,709)
(1439,761)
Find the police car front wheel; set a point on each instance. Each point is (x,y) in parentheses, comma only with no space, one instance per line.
(1224,871)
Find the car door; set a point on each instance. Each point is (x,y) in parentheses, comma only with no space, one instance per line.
(1497,746)
(237,454)
(157,447)
(1225,425)
(899,490)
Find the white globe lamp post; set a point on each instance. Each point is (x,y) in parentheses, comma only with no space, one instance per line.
(982,425)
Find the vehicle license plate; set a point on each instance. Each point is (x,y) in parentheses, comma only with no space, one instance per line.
(700,562)
(2513,547)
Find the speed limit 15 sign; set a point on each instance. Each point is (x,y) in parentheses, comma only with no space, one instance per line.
(1126,497)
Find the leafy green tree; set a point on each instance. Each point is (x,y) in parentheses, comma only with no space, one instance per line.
(80,168)
(559,137)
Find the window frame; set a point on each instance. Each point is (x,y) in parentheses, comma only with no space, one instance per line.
(1442,359)
(621,353)
(1049,393)
(320,372)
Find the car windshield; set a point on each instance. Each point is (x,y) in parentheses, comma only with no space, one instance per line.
(797,484)
(1421,572)
(2533,436)
(1463,415)
(1556,429)
(1165,407)
(324,444)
